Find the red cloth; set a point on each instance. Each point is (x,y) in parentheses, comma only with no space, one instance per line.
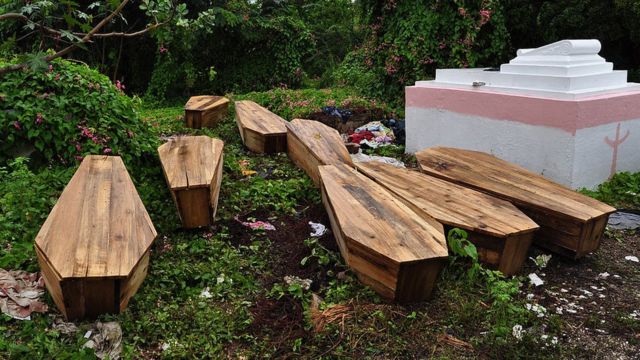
(362,135)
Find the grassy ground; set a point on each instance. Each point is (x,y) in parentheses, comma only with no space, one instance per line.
(252,313)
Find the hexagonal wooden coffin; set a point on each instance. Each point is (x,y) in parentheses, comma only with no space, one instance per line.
(571,224)
(391,248)
(93,248)
(192,166)
(311,144)
(502,233)
(205,111)
(261,130)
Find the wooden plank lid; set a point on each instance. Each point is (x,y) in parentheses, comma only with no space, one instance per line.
(369,215)
(205,102)
(190,161)
(449,203)
(511,182)
(323,142)
(254,117)
(99,226)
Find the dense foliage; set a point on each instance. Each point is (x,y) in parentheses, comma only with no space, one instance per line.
(616,23)
(407,41)
(67,112)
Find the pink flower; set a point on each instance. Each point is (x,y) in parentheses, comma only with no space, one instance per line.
(485,16)
(106,151)
(163,49)
(79,158)
(120,85)
(442,45)
(39,118)
(57,77)
(78,147)
(16,124)
(50,68)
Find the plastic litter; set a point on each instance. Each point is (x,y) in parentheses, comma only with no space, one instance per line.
(294,280)
(106,340)
(206,293)
(244,167)
(535,279)
(622,220)
(632,258)
(360,157)
(20,294)
(318,229)
(257,225)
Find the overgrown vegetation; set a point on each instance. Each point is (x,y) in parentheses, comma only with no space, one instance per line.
(68,111)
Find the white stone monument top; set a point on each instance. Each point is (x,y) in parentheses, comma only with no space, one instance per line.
(563,69)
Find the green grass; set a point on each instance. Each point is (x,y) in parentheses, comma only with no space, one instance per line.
(480,308)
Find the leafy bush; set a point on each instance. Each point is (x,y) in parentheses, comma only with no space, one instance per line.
(291,104)
(236,47)
(623,191)
(26,197)
(407,41)
(67,111)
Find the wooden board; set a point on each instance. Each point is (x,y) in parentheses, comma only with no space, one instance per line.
(205,111)
(192,166)
(311,144)
(501,232)
(570,223)
(93,238)
(261,130)
(391,248)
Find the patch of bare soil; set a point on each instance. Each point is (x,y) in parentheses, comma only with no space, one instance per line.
(597,298)
(282,320)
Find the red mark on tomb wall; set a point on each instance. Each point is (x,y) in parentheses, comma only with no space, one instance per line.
(615,143)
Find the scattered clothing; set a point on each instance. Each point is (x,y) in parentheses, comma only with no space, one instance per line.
(343,114)
(381,134)
(360,157)
(20,294)
(398,128)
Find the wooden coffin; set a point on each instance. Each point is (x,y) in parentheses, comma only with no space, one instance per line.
(571,224)
(502,233)
(391,248)
(261,130)
(192,166)
(205,111)
(93,249)
(311,144)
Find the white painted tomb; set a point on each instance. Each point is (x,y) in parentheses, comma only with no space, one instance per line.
(559,110)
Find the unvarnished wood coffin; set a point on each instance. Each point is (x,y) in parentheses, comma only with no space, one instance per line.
(311,144)
(501,233)
(391,248)
(205,111)
(261,130)
(93,249)
(192,166)
(571,224)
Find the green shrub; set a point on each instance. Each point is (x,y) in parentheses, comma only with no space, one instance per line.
(26,197)
(66,112)
(291,104)
(408,40)
(622,190)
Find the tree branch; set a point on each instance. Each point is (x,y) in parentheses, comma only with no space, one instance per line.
(86,38)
